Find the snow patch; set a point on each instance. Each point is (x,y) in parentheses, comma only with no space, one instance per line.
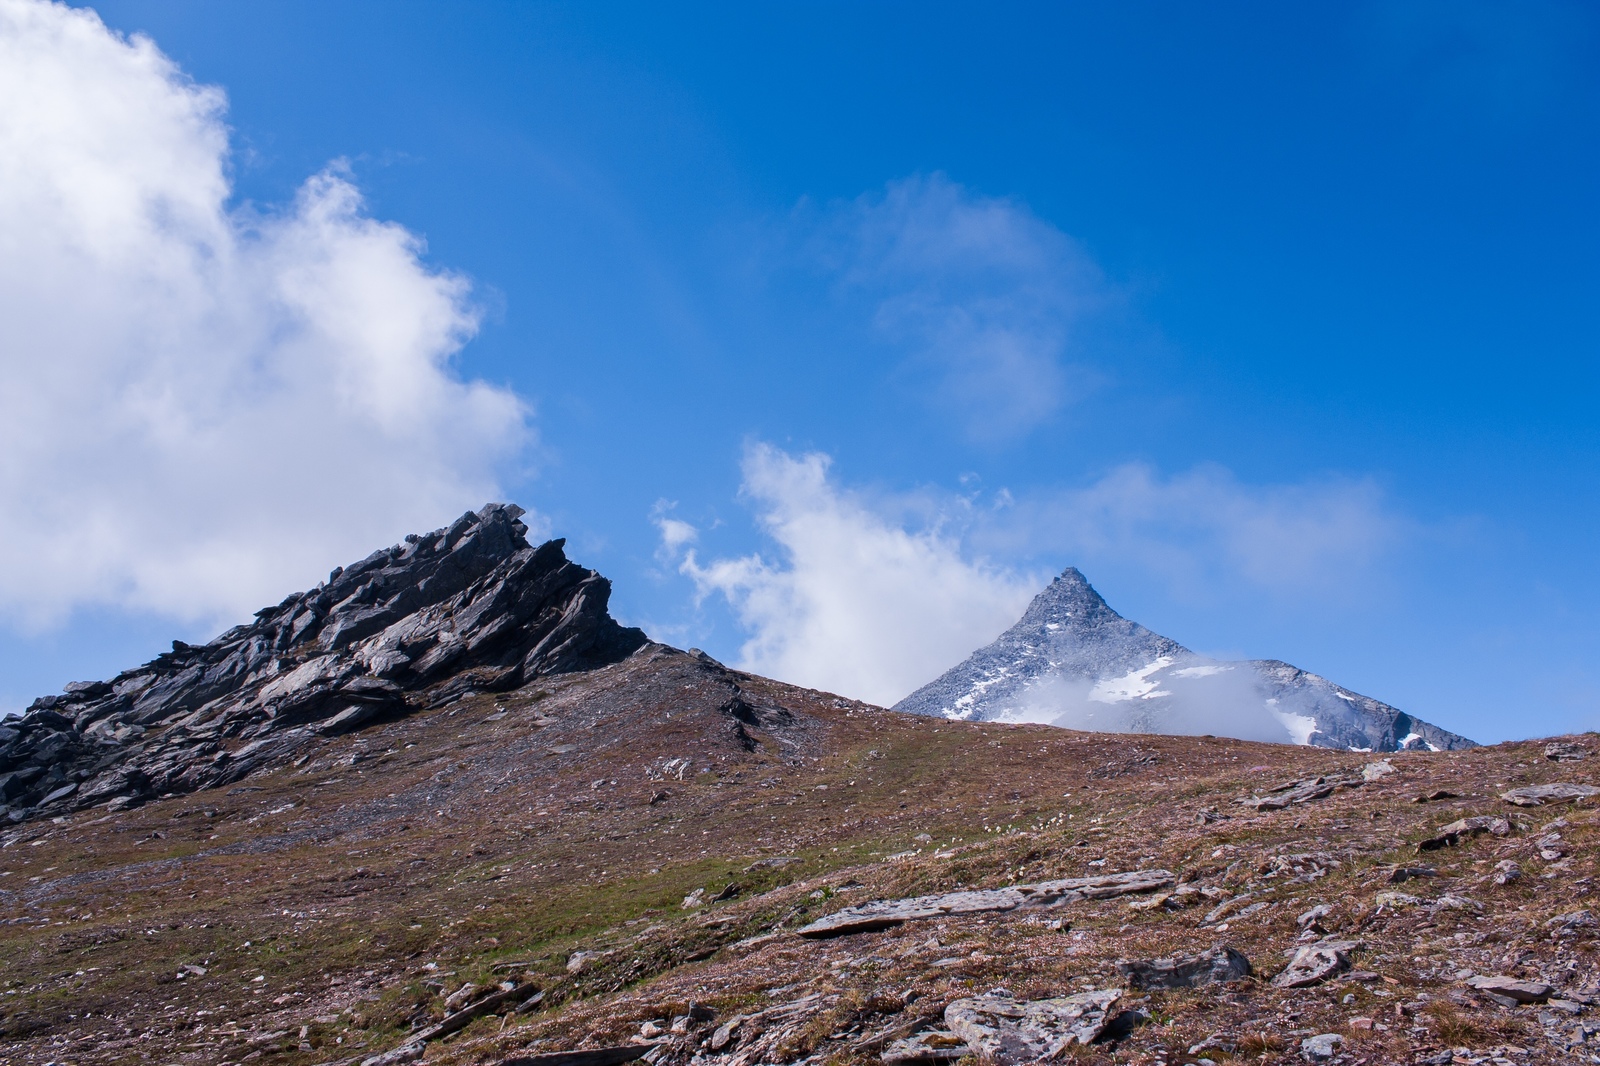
(1300,727)
(1134,685)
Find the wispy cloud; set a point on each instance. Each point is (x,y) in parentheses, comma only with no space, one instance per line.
(1204,527)
(873,595)
(854,601)
(201,406)
(985,297)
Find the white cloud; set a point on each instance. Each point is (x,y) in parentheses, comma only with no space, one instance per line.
(1205,527)
(874,596)
(203,406)
(858,604)
(989,297)
(676,534)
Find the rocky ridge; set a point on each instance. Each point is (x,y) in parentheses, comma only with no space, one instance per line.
(472,607)
(1072,660)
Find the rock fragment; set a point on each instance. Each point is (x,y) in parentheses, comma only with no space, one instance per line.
(1565,751)
(932,1046)
(1321,1048)
(1315,963)
(408,1052)
(1374,770)
(1219,965)
(1302,791)
(1002,1031)
(1570,924)
(1455,832)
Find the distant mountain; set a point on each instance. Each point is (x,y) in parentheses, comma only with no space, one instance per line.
(1072,661)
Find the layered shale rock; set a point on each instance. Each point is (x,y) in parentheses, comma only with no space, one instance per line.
(471,607)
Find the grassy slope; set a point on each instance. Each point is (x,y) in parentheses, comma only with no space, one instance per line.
(332,902)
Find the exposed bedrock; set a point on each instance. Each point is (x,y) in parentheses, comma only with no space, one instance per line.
(472,606)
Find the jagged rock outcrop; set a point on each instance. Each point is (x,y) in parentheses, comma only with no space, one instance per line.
(1072,661)
(472,606)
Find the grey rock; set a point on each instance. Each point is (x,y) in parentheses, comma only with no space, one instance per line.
(1070,650)
(1220,965)
(1539,795)
(1321,1048)
(1565,751)
(1304,790)
(408,1052)
(884,914)
(506,997)
(932,1046)
(1001,1030)
(1315,963)
(472,606)
(1512,988)
(1455,832)
(1570,924)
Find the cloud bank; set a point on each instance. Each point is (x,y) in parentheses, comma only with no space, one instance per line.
(202,404)
(1196,697)
(988,297)
(856,602)
(873,596)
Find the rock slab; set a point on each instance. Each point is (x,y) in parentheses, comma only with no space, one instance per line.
(1002,1031)
(884,914)
(1512,988)
(1539,795)
(1457,831)
(1220,965)
(1315,963)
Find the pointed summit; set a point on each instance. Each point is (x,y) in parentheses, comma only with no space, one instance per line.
(1068,629)
(1072,661)
(1069,599)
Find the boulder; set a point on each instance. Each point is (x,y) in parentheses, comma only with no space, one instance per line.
(1220,965)
(1001,1030)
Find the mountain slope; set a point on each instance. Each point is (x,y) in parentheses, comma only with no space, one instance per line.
(1073,661)
(567,838)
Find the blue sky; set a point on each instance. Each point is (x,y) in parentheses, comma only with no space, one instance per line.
(829,332)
